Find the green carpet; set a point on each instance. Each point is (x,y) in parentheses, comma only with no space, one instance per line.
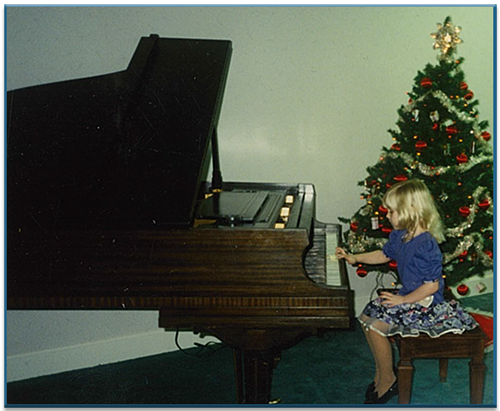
(332,370)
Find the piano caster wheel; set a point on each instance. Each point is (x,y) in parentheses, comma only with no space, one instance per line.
(275,401)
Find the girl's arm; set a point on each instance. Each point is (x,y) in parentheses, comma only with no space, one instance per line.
(419,294)
(373,257)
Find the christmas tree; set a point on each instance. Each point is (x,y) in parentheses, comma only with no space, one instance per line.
(440,141)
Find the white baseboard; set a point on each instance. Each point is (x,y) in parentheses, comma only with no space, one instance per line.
(47,362)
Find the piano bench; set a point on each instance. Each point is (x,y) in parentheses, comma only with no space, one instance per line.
(467,345)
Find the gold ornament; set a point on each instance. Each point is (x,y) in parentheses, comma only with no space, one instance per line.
(446,37)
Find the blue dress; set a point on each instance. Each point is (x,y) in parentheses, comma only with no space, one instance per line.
(419,261)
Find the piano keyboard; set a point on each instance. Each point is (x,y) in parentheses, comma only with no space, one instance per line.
(332,264)
(320,263)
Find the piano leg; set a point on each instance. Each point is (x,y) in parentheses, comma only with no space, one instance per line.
(254,373)
(256,354)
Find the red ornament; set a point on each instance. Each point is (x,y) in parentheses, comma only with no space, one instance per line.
(469,95)
(462,289)
(452,130)
(464,211)
(435,127)
(426,82)
(462,256)
(489,253)
(396,147)
(484,205)
(400,177)
(462,158)
(420,145)
(463,85)
(354,226)
(386,230)
(383,210)
(393,265)
(486,135)
(361,271)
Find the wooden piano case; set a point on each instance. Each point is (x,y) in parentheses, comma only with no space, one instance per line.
(108,209)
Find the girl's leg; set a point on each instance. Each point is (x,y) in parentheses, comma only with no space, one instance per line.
(377,372)
(382,351)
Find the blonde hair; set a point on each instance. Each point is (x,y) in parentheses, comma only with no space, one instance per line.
(415,206)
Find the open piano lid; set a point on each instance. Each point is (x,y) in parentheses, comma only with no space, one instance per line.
(127,148)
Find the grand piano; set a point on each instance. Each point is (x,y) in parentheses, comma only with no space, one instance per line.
(110,207)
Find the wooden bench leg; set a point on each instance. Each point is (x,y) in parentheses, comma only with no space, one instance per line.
(476,376)
(443,369)
(405,376)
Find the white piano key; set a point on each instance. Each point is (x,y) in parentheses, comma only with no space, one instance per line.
(332,264)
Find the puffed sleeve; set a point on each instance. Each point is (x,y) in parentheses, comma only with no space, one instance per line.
(429,261)
(389,248)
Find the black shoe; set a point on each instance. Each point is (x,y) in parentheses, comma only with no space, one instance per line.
(391,392)
(370,391)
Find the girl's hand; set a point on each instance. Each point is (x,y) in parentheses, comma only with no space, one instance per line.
(340,253)
(390,299)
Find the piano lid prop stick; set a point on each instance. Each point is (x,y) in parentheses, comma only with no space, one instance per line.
(216,173)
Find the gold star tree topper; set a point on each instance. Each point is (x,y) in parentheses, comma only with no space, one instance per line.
(447,37)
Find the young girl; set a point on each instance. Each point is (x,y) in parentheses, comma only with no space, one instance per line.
(419,305)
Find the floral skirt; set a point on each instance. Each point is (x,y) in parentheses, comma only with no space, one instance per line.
(409,320)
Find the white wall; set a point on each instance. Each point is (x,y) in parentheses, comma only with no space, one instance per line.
(310,95)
